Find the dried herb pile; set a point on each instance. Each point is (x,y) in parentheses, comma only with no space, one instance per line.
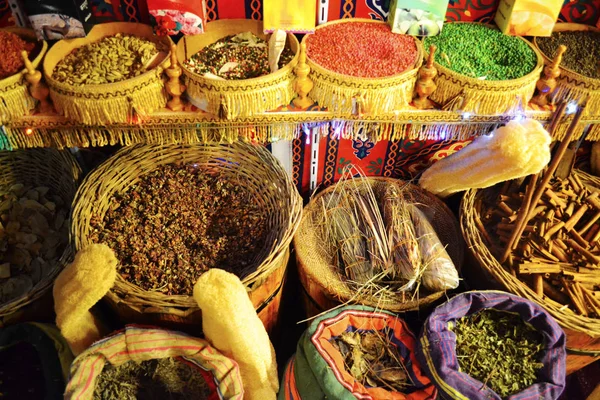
(33,235)
(583,50)
(11,47)
(21,373)
(164,379)
(372,360)
(499,349)
(179,221)
(241,56)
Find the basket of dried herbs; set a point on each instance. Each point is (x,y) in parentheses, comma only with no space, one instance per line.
(234,70)
(356,352)
(141,363)
(16,100)
(493,345)
(110,76)
(379,242)
(481,70)
(360,61)
(171,213)
(37,187)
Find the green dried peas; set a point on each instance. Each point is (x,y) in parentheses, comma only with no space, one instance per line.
(111,59)
(482,52)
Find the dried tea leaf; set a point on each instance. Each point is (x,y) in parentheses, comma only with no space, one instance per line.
(13,227)
(39,224)
(60,219)
(25,238)
(4,270)
(19,257)
(14,288)
(33,195)
(50,205)
(18,189)
(42,190)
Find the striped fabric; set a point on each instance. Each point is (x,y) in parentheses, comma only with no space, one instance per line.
(437,347)
(140,344)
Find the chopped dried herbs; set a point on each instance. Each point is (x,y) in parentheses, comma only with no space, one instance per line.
(499,349)
(373,360)
(33,236)
(179,221)
(583,50)
(164,379)
(241,56)
(21,373)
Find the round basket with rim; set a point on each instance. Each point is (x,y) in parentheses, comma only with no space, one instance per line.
(251,166)
(339,93)
(324,289)
(16,101)
(236,98)
(460,92)
(583,333)
(109,103)
(58,171)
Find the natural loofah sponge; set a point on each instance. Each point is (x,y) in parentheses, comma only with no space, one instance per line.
(518,149)
(78,287)
(230,323)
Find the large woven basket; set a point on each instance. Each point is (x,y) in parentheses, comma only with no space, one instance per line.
(319,277)
(253,166)
(484,96)
(339,92)
(583,333)
(236,98)
(109,103)
(15,99)
(59,171)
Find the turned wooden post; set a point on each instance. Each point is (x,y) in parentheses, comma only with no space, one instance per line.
(173,86)
(302,84)
(38,89)
(425,85)
(547,82)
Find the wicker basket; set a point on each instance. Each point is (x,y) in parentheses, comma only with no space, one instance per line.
(109,103)
(583,333)
(237,98)
(59,171)
(259,171)
(460,92)
(322,285)
(338,92)
(15,99)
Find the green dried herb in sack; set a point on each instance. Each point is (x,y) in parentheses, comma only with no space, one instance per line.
(583,50)
(499,349)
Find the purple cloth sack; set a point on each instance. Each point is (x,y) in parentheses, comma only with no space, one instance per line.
(437,347)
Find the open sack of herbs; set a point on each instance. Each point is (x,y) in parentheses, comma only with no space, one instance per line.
(381,244)
(33,235)
(242,56)
(11,46)
(179,221)
(583,51)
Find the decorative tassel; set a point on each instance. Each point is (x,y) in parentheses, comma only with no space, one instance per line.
(15,101)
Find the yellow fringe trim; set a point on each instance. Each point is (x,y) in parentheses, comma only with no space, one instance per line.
(15,103)
(567,90)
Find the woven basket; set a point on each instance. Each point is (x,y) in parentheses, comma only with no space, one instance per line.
(483,96)
(112,102)
(319,277)
(571,85)
(239,98)
(257,170)
(338,92)
(15,99)
(583,333)
(59,171)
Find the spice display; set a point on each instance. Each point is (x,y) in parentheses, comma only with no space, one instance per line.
(11,47)
(33,235)
(373,360)
(241,56)
(21,374)
(583,50)
(179,221)
(111,59)
(482,52)
(499,349)
(361,49)
(165,378)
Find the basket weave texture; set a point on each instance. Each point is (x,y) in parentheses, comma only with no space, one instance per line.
(239,98)
(109,103)
(252,166)
(315,264)
(55,169)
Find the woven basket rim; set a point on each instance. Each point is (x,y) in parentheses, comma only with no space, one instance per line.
(25,34)
(238,83)
(493,84)
(384,80)
(563,27)
(107,87)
